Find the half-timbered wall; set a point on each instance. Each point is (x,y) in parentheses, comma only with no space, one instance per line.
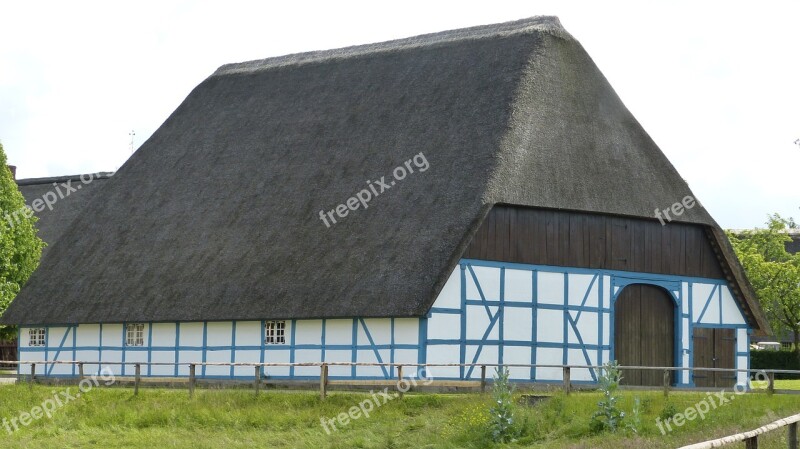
(507,313)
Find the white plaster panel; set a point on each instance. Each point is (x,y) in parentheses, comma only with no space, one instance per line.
(406,331)
(88,335)
(517,324)
(741,340)
(189,357)
(576,357)
(308,332)
(489,280)
(685,298)
(339,356)
(138,356)
(218,356)
(246,356)
(450,296)
(163,334)
(379,328)
(742,377)
(112,356)
(339,332)
(192,334)
(112,335)
(550,326)
(730,310)
(578,284)
(478,322)
(282,356)
(444,354)
(700,293)
(406,356)
(549,356)
(489,355)
(307,356)
(248,333)
(550,288)
(55,335)
(162,357)
(444,326)
(519,285)
(515,355)
(90,356)
(587,326)
(219,333)
(369,356)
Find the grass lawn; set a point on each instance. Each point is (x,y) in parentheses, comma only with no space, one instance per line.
(113,417)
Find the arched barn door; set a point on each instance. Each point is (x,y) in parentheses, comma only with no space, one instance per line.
(644,332)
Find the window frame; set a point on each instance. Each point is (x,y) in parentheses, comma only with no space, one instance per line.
(37,337)
(134,334)
(275,332)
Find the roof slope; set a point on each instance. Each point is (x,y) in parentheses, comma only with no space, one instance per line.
(216,217)
(68,204)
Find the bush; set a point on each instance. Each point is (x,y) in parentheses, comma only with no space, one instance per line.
(608,415)
(760,359)
(502,412)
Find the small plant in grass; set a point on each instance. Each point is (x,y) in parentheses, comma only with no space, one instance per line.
(608,415)
(668,411)
(501,422)
(635,423)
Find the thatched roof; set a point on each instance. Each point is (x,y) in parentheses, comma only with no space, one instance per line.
(53,221)
(216,216)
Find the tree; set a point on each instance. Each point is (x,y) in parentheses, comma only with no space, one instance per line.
(774,273)
(20,247)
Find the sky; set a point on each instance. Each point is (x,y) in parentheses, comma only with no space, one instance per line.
(715,84)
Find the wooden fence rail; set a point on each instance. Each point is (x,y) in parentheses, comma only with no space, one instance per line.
(751,438)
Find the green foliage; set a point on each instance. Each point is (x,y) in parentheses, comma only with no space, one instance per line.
(20,247)
(773,272)
(501,422)
(668,411)
(608,416)
(783,360)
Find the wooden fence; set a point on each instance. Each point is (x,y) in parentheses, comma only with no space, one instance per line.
(751,438)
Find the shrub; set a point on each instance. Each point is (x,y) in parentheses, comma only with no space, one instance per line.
(608,416)
(775,360)
(501,422)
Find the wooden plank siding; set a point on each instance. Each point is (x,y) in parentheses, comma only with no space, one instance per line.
(575,239)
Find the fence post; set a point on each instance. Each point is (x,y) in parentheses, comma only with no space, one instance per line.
(400,382)
(792,435)
(191,381)
(323,381)
(258,379)
(771,387)
(80,371)
(567,382)
(33,374)
(137,379)
(666,383)
(751,443)
(483,378)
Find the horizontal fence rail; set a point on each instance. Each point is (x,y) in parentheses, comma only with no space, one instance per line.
(751,438)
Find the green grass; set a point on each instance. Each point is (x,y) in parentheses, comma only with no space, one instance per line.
(113,417)
(787,384)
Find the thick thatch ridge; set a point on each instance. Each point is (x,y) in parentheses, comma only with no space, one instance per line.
(216,216)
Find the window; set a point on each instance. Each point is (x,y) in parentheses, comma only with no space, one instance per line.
(134,334)
(36,336)
(275,332)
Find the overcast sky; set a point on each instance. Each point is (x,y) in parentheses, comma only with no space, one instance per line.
(716,85)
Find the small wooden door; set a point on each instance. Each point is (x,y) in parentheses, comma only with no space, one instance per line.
(714,348)
(644,332)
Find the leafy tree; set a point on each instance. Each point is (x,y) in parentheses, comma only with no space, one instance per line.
(774,273)
(20,247)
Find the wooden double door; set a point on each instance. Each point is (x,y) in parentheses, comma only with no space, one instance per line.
(644,333)
(714,348)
